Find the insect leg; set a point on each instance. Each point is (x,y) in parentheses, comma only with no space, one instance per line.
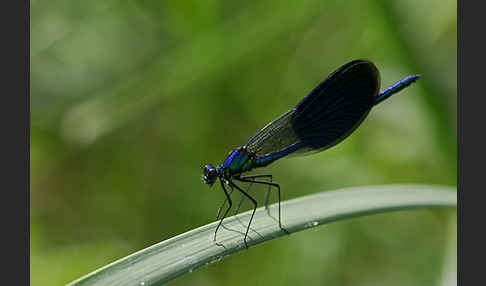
(224,202)
(239,206)
(278,189)
(267,195)
(227,210)
(243,198)
(254,208)
(222,225)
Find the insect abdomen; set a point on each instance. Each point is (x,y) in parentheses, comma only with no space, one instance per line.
(266,160)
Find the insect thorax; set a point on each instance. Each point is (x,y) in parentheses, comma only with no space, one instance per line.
(238,161)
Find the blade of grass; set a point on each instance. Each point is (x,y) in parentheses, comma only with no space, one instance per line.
(166,260)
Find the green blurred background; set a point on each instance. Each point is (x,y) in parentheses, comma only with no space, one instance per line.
(130,98)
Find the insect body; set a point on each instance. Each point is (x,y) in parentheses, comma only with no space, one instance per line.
(325,117)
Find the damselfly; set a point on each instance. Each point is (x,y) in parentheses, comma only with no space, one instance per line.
(325,117)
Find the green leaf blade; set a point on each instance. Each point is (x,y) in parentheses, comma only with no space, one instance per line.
(184,253)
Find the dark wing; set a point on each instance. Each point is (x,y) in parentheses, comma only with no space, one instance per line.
(275,136)
(335,108)
(330,113)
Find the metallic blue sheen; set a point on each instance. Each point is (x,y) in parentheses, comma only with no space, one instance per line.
(269,158)
(325,117)
(230,158)
(237,162)
(322,119)
(396,87)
